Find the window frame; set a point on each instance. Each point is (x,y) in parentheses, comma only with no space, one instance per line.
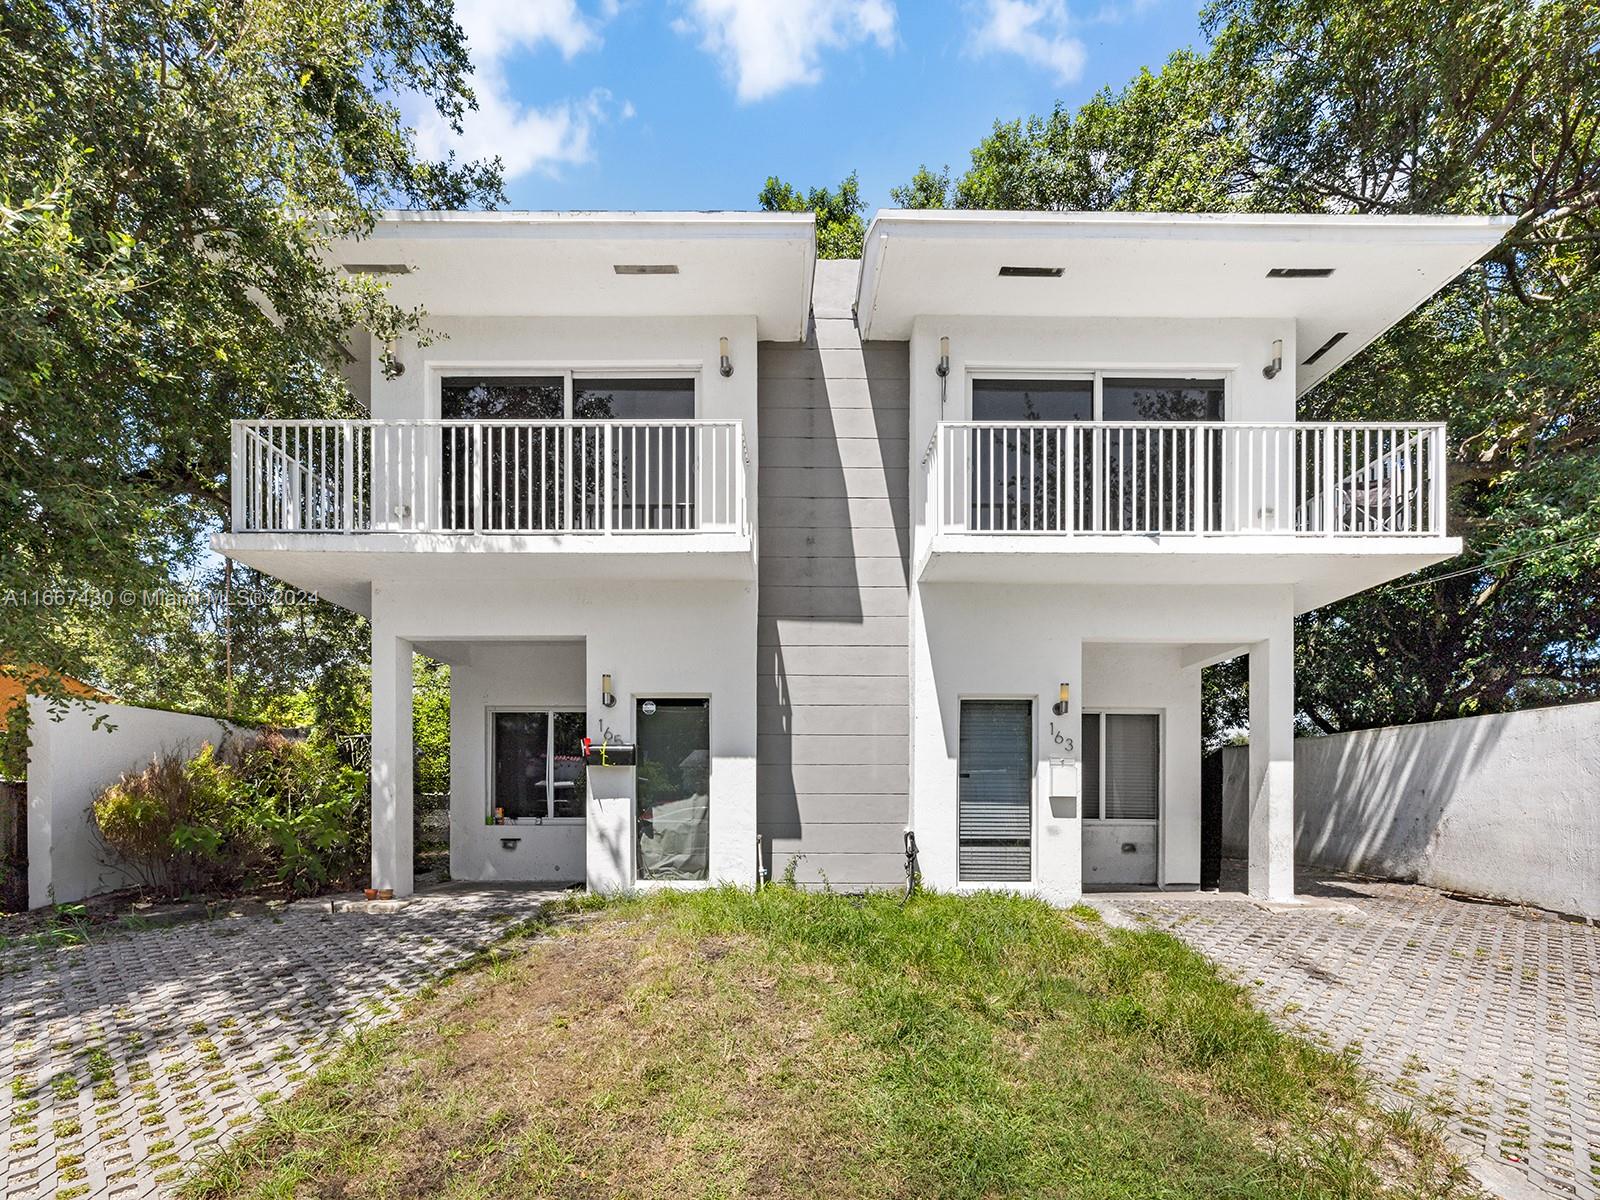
(634,700)
(1160,714)
(569,374)
(1098,375)
(491,776)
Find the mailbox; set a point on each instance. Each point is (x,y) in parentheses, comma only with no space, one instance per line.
(607,754)
(1063,778)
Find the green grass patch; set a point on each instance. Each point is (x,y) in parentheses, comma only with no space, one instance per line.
(786,1043)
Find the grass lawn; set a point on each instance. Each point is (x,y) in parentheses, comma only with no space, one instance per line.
(720,1044)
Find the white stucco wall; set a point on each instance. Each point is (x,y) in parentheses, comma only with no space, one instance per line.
(531,345)
(656,639)
(1116,648)
(1506,806)
(70,761)
(484,677)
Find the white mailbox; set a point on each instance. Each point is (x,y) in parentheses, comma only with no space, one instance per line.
(1063,779)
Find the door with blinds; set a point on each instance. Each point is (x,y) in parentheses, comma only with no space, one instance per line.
(996,792)
(1121,786)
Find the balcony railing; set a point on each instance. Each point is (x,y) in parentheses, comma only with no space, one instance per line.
(489,477)
(1187,478)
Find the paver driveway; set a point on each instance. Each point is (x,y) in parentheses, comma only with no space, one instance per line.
(123,1058)
(1491,1012)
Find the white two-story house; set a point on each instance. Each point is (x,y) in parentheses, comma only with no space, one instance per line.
(823,553)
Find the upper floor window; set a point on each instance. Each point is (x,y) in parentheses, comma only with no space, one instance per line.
(1098,396)
(550,398)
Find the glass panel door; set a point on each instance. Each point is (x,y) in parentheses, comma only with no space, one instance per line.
(569,782)
(652,468)
(995,798)
(673,776)
(1151,474)
(1018,475)
(519,468)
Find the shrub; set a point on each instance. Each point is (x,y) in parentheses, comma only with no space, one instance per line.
(259,809)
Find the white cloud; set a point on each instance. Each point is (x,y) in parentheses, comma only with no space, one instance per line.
(526,138)
(766,46)
(1035,31)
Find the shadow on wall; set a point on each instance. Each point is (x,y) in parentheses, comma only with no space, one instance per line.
(834,540)
(1506,805)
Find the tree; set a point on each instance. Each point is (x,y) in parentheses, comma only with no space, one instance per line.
(171,176)
(841,228)
(1391,107)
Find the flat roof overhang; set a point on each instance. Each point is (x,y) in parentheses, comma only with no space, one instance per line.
(1321,570)
(564,264)
(342,567)
(946,263)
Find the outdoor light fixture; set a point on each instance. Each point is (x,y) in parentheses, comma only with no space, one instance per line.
(726,364)
(1060,706)
(1272,368)
(393,368)
(942,370)
(607,698)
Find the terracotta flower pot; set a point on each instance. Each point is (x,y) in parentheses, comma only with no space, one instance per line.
(372,893)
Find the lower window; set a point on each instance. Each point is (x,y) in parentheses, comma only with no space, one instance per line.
(673,775)
(1121,766)
(538,764)
(996,793)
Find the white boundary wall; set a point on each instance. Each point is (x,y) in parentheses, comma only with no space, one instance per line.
(1506,806)
(69,763)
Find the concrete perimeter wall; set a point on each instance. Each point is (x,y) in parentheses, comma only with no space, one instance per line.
(1506,806)
(70,761)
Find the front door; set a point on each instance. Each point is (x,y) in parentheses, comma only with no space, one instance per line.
(673,778)
(996,793)
(1121,798)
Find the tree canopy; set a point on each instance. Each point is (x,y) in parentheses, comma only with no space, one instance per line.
(171,175)
(841,226)
(1460,106)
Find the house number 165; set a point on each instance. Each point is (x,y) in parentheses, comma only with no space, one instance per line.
(1060,738)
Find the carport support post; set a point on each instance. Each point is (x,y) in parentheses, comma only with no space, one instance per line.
(1271,867)
(391,762)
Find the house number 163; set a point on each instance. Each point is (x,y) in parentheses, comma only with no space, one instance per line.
(1060,738)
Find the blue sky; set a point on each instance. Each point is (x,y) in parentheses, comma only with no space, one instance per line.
(620,104)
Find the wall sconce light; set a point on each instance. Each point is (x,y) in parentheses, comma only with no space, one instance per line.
(943,369)
(393,368)
(607,697)
(726,363)
(1060,706)
(1271,370)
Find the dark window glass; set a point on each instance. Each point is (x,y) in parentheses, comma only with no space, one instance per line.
(995,796)
(1091,766)
(1032,400)
(521,775)
(1016,475)
(516,487)
(1162,399)
(652,468)
(569,783)
(673,778)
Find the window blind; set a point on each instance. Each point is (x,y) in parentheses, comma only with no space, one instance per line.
(995,799)
(1133,767)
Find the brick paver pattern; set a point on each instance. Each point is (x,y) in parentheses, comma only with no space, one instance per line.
(124,1058)
(1486,1014)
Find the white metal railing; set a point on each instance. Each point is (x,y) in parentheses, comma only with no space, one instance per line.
(470,476)
(1148,477)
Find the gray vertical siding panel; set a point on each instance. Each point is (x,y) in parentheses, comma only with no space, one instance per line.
(834,532)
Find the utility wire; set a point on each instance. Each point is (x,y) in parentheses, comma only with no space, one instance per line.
(1489,566)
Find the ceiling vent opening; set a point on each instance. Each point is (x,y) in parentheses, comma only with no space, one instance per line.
(1326,346)
(1299,272)
(1031,272)
(645,268)
(377,269)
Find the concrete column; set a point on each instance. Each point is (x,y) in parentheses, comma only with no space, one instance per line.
(1271,866)
(391,761)
(1059,852)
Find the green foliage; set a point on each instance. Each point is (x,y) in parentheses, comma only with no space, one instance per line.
(170,178)
(261,809)
(1388,107)
(430,709)
(840,224)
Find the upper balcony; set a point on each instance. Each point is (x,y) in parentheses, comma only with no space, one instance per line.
(331,505)
(1328,508)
